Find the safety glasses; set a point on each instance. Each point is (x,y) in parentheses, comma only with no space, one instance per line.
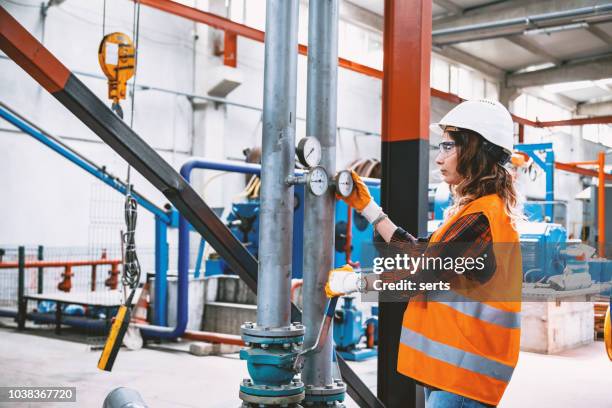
(447,148)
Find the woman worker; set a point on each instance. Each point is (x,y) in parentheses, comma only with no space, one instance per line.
(463,351)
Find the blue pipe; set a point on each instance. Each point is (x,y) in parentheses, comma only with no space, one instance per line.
(67,320)
(184,227)
(94,171)
(548,165)
(183,248)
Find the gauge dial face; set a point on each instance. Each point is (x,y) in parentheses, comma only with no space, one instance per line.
(344,183)
(318,181)
(309,151)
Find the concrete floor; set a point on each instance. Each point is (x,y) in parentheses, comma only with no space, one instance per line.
(171,378)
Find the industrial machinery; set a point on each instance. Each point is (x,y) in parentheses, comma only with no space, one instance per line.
(350,329)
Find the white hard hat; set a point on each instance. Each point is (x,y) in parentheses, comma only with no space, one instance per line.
(488,118)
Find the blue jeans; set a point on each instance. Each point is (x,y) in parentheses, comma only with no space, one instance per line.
(445,399)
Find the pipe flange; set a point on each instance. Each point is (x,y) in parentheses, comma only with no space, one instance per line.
(252,329)
(291,393)
(271,401)
(328,393)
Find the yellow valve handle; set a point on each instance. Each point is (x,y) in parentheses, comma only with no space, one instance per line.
(116,57)
(608,334)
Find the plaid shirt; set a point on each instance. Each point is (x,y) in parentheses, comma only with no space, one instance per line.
(471,231)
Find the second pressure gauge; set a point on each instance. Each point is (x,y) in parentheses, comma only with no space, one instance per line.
(344,183)
(309,151)
(317,181)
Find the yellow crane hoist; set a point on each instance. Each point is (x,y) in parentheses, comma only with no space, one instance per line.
(116,56)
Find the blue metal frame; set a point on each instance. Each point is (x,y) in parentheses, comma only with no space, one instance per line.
(548,165)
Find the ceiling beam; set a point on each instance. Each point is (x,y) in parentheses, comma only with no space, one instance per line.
(601,34)
(552,97)
(581,70)
(533,48)
(595,109)
(511,9)
(471,61)
(349,11)
(513,20)
(449,6)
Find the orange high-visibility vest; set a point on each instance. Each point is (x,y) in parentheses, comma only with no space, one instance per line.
(461,345)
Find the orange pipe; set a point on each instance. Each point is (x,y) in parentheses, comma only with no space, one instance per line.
(595,120)
(585,163)
(601,204)
(219,338)
(230,48)
(60,264)
(580,170)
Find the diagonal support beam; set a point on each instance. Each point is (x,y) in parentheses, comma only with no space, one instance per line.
(449,6)
(601,34)
(582,70)
(533,48)
(52,75)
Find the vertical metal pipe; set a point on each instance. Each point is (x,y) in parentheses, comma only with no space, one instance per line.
(319,211)
(21,303)
(40,271)
(278,161)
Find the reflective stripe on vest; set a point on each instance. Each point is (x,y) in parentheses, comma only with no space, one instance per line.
(476,309)
(455,356)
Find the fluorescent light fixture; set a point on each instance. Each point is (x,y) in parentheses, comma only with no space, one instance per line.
(550,30)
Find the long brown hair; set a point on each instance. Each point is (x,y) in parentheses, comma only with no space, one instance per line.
(482,174)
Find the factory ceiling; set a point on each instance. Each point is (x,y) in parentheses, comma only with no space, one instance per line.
(524,44)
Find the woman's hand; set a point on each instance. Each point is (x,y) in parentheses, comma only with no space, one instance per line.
(361,200)
(341,281)
(360,196)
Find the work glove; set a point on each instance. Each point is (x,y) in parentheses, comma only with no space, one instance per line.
(361,200)
(341,281)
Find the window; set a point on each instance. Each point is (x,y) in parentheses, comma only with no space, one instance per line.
(598,134)
(440,74)
(255,14)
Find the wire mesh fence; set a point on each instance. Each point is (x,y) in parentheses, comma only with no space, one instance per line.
(55,270)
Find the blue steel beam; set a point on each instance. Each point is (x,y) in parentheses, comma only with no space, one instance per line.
(548,165)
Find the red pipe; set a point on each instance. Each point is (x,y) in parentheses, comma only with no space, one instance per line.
(349,233)
(219,338)
(297,283)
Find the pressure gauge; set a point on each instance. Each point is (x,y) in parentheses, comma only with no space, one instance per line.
(309,151)
(344,183)
(317,181)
